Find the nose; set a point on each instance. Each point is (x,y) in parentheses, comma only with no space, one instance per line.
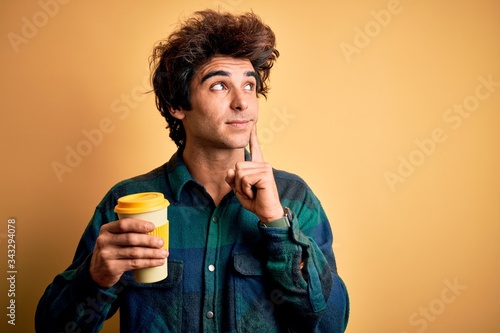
(239,101)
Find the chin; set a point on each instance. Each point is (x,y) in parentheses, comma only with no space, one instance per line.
(237,142)
(236,145)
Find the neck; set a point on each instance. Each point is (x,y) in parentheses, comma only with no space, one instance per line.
(209,168)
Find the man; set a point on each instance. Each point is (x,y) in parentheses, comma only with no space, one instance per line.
(250,246)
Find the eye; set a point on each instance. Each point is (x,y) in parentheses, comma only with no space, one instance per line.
(217,86)
(249,87)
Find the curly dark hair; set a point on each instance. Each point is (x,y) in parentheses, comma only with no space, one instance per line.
(207,34)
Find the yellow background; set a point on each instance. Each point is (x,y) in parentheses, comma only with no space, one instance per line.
(356,96)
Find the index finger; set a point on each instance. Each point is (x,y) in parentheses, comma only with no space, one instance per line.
(255,150)
(129,225)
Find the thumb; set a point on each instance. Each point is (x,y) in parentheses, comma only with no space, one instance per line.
(255,150)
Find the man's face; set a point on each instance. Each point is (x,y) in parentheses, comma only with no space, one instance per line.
(224,105)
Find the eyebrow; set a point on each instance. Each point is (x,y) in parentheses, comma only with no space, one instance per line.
(225,73)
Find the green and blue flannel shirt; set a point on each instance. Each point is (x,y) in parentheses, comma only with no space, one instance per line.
(226,272)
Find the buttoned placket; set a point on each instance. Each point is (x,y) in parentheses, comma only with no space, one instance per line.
(210,282)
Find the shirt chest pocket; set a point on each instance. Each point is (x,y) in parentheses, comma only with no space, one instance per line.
(153,307)
(255,311)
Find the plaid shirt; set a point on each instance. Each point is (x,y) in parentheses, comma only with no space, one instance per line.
(226,272)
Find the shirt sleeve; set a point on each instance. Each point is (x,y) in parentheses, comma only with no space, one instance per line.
(314,298)
(73,302)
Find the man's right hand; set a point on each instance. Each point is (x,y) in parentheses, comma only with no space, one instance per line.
(123,245)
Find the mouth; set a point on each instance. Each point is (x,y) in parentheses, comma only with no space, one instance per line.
(240,123)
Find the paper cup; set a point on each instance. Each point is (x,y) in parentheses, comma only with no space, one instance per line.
(152,207)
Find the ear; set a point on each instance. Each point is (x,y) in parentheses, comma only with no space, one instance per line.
(179,114)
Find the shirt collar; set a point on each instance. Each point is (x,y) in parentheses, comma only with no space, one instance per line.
(178,173)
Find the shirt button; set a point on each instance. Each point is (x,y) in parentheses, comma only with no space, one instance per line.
(210,314)
(215,219)
(211,268)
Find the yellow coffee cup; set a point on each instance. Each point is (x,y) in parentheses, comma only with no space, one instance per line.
(152,207)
